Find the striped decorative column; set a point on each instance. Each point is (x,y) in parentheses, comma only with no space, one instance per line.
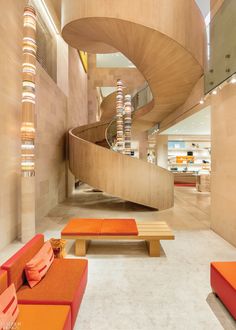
(28,125)
(127,125)
(28,93)
(119,117)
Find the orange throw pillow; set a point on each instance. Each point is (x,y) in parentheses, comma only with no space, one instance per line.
(8,308)
(38,266)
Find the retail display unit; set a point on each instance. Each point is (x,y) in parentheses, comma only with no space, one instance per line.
(187,159)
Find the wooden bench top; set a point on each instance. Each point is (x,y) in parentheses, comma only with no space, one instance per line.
(154,229)
(147,230)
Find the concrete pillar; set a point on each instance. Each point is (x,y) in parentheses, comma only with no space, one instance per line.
(162,150)
(27,208)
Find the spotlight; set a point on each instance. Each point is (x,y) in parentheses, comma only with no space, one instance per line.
(233,79)
(201,101)
(214,92)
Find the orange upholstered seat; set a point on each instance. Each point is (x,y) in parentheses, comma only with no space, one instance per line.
(119,227)
(64,284)
(3,280)
(223,283)
(16,264)
(93,227)
(83,227)
(227,271)
(43,317)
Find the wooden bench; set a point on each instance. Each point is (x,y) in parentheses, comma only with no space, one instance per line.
(150,231)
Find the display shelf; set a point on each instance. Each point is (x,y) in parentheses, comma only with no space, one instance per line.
(187,164)
(189,149)
(180,153)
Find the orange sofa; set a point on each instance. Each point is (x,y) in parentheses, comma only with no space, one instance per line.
(223,283)
(54,302)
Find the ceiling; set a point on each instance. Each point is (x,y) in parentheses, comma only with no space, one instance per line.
(204,6)
(107,91)
(197,124)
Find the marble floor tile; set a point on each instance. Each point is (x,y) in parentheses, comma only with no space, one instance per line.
(128,290)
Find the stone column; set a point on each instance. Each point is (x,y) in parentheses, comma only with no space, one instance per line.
(162,150)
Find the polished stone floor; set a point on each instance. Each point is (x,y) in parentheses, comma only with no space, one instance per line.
(128,290)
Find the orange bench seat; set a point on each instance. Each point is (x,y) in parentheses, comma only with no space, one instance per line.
(43,317)
(93,227)
(63,284)
(223,283)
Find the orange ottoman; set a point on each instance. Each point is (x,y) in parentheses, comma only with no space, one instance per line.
(223,283)
(43,317)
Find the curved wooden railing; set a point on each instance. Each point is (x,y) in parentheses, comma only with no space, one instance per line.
(122,176)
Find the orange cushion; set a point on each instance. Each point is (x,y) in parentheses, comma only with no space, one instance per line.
(64,284)
(38,266)
(83,227)
(119,227)
(3,280)
(15,266)
(8,307)
(227,269)
(43,317)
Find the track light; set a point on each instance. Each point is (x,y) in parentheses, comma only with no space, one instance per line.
(233,79)
(214,92)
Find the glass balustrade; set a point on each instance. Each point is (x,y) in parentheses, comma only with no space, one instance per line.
(221,59)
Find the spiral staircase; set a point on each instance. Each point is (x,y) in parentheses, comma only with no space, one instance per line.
(165,39)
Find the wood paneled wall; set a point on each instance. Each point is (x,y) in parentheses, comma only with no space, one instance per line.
(223,184)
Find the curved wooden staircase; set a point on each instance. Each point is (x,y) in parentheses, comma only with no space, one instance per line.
(165,39)
(119,175)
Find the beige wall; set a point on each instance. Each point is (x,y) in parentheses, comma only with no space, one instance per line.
(53,116)
(51,110)
(142,138)
(215,6)
(10,116)
(223,186)
(77,102)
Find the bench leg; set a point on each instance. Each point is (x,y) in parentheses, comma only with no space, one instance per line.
(80,248)
(154,248)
